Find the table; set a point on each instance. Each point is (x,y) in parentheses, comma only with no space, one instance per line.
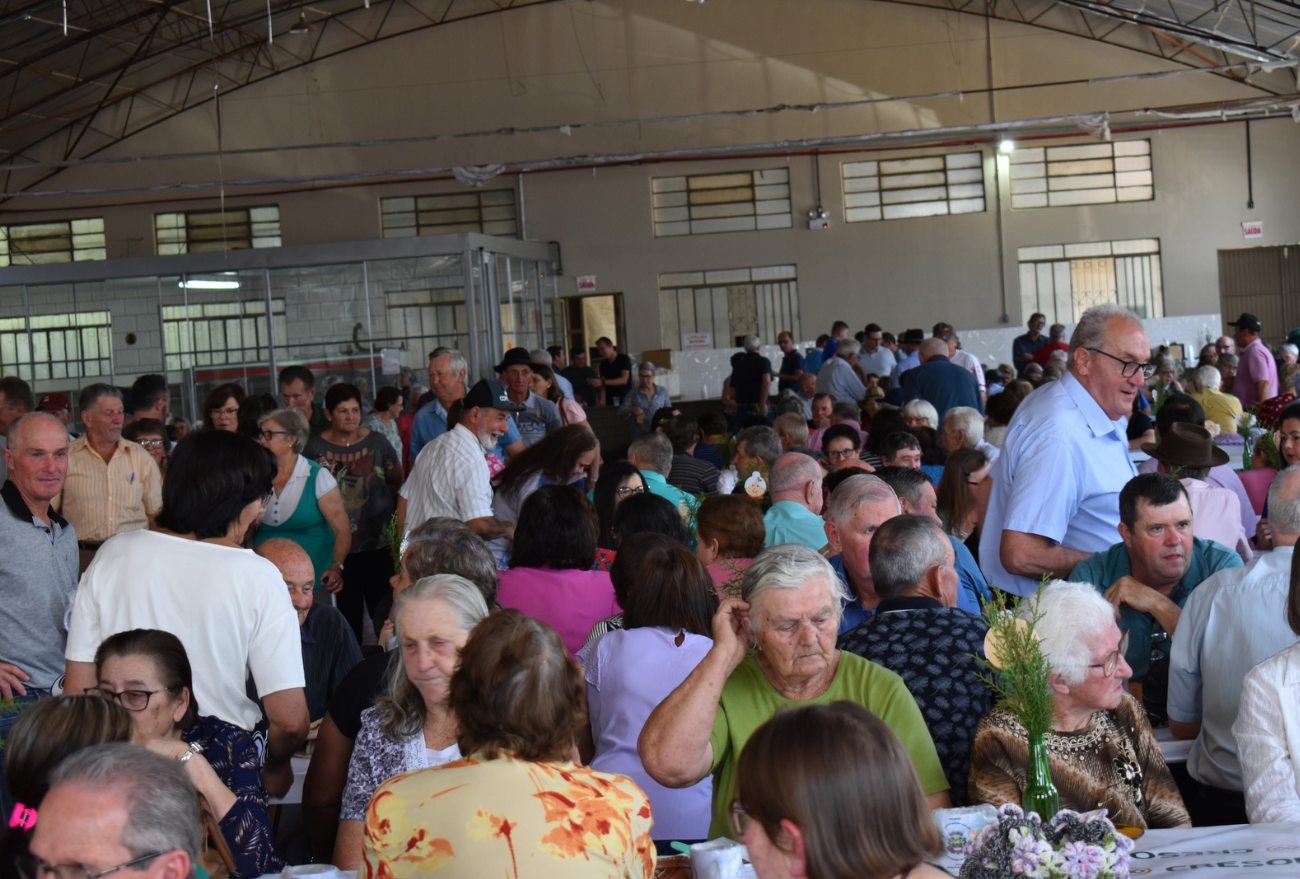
(1218,852)
(1175,750)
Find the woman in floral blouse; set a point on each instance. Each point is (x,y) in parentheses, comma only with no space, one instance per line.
(518,805)
(148,673)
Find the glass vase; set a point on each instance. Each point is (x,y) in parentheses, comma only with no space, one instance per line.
(1040,794)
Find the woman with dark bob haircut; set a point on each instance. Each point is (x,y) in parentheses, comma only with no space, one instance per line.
(221,408)
(550,576)
(618,482)
(518,697)
(227,605)
(828,792)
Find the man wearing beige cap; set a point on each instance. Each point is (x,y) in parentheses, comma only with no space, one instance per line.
(1188,452)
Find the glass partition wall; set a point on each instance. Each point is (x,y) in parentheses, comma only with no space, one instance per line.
(354,312)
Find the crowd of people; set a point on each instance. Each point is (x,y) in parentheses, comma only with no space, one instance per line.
(507,640)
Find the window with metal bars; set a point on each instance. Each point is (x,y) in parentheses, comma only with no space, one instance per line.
(58,346)
(730,304)
(926,186)
(58,241)
(1064,280)
(209,231)
(744,201)
(491,212)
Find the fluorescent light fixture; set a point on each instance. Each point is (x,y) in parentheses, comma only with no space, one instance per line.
(1007,145)
(201,284)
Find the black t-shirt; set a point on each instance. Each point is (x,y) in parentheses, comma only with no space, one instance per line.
(747,378)
(578,376)
(1138,424)
(791,363)
(358,691)
(621,364)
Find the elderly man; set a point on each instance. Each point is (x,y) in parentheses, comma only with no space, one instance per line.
(1189,452)
(451,477)
(917,633)
(958,357)
(298,390)
(790,608)
(151,397)
(1225,345)
(652,454)
(113,485)
(917,496)
(447,370)
(940,382)
(1055,342)
(823,410)
(1223,409)
(1233,622)
(537,416)
(1150,574)
(1256,379)
(1023,348)
(838,377)
(795,485)
(329,651)
(1056,485)
(121,810)
(876,358)
(792,428)
(806,392)
(857,508)
(756,448)
(963,428)
(791,371)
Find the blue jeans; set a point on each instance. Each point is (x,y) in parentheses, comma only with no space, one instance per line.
(7,718)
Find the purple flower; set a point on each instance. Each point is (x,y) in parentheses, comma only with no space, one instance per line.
(1079,860)
(1028,854)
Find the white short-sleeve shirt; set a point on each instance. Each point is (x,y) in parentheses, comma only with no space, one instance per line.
(228,607)
(450,478)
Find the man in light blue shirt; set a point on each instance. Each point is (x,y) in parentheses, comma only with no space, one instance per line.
(909,353)
(837,377)
(447,369)
(1064,461)
(652,454)
(795,484)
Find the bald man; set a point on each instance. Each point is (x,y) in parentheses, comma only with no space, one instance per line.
(795,483)
(329,647)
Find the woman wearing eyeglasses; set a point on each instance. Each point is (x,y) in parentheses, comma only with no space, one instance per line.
(147,672)
(618,482)
(306,506)
(1100,749)
(221,408)
(152,434)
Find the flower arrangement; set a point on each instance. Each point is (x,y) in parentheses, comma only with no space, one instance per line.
(1069,846)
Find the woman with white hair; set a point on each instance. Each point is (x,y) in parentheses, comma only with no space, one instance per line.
(411,725)
(774,648)
(647,398)
(1100,749)
(921,413)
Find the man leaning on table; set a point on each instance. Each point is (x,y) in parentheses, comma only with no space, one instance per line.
(1056,485)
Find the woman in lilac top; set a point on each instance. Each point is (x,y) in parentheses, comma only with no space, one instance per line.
(667,629)
(549,577)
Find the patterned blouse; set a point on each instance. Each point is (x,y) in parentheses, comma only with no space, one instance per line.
(247,826)
(1114,763)
(510,818)
(377,758)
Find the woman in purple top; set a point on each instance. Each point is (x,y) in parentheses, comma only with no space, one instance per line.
(549,577)
(667,629)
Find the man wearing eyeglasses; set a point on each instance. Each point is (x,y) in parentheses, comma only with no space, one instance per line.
(1064,461)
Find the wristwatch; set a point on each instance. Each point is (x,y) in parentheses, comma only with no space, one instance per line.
(195,748)
(338,565)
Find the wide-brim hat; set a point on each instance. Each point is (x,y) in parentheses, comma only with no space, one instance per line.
(515,357)
(490,395)
(1187,445)
(912,337)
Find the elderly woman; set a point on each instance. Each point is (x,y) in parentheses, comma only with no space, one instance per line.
(827,791)
(550,574)
(412,725)
(388,408)
(305,506)
(152,434)
(562,457)
(788,613)
(665,632)
(221,407)
(643,401)
(147,672)
(731,532)
(1166,377)
(517,799)
(921,413)
(437,546)
(1100,748)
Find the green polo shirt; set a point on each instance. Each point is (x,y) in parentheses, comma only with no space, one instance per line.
(1104,568)
(658,484)
(790,522)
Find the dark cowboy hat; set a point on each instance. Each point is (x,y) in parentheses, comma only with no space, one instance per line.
(515,357)
(1187,445)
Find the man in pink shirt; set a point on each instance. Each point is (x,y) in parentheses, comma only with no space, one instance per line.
(1256,379)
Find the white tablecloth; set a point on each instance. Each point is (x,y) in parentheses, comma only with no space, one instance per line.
(1219,852)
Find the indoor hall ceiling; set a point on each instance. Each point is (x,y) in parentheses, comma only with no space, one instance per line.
(125,65)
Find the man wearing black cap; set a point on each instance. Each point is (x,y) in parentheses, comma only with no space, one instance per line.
(451,476)
(537,415)
(1256,379)
(910,344)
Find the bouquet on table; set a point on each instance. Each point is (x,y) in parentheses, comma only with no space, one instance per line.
(1069,846)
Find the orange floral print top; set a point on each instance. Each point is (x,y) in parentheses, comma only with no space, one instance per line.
(508,817)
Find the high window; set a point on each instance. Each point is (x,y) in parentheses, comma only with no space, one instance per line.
(220,333)
(743,201)
(928,186)
(208,231)
(729,304)
(58,241)
(491,212)
(58,346)
(1094,173)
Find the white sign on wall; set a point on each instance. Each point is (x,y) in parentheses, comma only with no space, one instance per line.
(1252,229)
(696,341)
(586,283)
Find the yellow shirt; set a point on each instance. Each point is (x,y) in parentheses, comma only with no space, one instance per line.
(102,499)
(508,818)
(1223,409)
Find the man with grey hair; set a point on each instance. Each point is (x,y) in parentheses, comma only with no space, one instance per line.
(774,648)
(963,427)
(858,507)
(1064,461)
(756,448)
(917,633)
(447,375)
(113,484)
(943,383)
(838,377)
(751,381)
(795,485)
(1235,620)
(541,356)
(1223,409)
(118,807)
(652,454)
